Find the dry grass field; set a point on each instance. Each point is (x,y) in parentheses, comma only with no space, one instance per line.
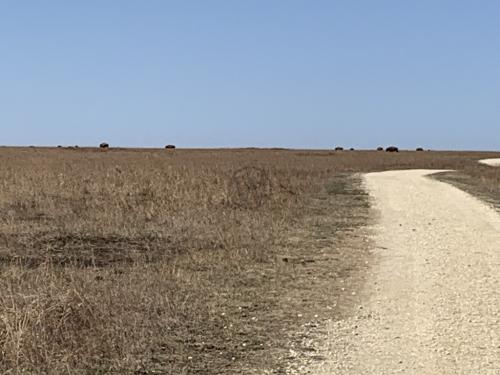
(185,261)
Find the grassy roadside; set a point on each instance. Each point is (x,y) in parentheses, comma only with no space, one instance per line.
(133,262)
(185,262)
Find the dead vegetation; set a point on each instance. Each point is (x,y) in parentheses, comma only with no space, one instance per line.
(141,261)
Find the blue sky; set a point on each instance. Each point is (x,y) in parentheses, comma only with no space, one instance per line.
(198,73)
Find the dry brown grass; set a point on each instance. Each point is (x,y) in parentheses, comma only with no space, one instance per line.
(185,261)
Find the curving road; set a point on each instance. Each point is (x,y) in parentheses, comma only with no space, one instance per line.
(491,162)
(432,303)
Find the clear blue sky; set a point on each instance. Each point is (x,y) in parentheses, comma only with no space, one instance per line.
(207,73)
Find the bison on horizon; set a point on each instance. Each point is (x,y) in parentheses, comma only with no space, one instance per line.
(380,149)
(170,147)
(392,149)
(104,145)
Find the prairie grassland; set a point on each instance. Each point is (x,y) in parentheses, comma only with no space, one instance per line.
(185,261)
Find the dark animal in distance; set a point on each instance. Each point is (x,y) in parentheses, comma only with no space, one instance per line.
(338,148)
(170,146)
(380,149)
(351,149)
(392,149)
(104,145)
(420,149)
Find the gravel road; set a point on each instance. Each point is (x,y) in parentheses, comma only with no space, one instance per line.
(491,162)
(432,302)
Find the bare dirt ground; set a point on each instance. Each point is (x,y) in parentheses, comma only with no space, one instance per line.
(431,303)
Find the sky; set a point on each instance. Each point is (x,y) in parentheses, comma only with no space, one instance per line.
(262,73)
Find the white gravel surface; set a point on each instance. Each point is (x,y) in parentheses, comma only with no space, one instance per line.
(491,162)
(432,302)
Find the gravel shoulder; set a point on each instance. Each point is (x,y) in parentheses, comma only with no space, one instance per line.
(431,301)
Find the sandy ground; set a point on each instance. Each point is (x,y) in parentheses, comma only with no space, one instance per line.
(432,302)
(491,162)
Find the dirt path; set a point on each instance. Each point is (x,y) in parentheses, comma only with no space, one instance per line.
(432,303)
(491,162)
